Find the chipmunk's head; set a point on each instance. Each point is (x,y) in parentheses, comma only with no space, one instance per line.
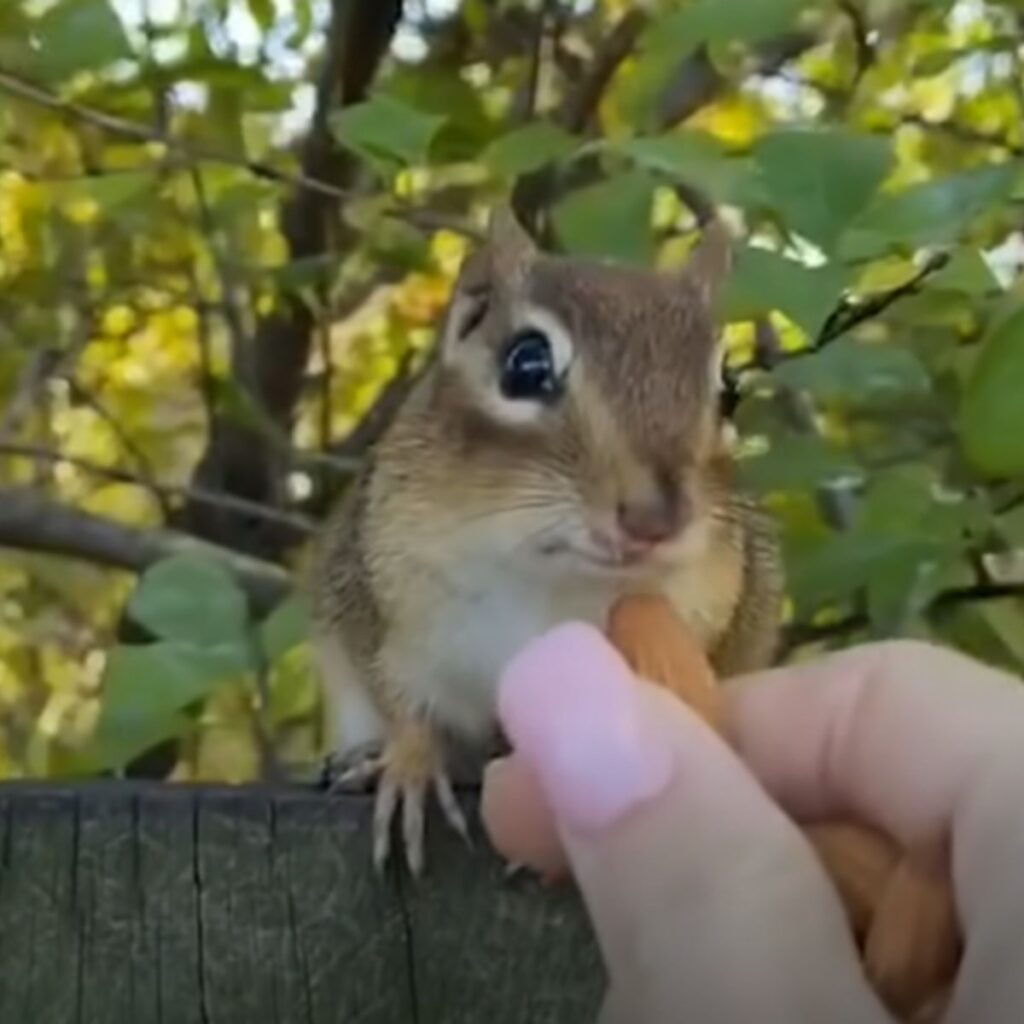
(585,398)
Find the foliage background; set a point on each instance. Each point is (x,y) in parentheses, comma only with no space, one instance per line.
(227,228)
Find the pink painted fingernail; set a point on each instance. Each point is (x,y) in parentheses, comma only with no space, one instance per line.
(568,705)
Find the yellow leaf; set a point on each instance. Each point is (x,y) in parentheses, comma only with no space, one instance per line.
(886,274)
(82,210)
(124,503)
(736,120)
(739,341)
(933,98)
(118,321)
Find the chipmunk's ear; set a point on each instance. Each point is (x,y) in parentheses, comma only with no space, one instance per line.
(490,277)
(509,246)
(710,262)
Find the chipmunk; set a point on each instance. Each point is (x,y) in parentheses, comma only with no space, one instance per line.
(563,445)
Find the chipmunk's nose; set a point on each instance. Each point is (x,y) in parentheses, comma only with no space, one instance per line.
(652,519)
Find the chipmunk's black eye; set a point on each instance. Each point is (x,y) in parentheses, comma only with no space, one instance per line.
(528,367)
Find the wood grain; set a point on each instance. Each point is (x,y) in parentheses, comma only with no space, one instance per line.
(150,904)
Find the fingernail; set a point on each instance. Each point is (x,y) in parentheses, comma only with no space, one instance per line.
(568,705)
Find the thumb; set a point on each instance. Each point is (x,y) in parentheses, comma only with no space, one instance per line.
(704,896)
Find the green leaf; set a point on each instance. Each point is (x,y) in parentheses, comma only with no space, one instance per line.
(1011,526)
(396,243)
(991,422)
(441,90)
(294,693)
(529,148)
(79,35)
(286,627)
(145,689)
(903,503)
(263,12)
(233,400)
(990,631)
(967,272)
(610,220)
(931,213)
(851,373)
(305,272)
(722,21)
(837,568)
(794,462)
(387,129)
(900,587)
(108,191)
(699,159)
(820,180)
(1006,620)
(193,600)
(763,281)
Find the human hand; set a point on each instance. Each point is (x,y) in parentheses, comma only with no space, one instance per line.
(705,897)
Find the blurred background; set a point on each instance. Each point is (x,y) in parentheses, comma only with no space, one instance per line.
(228,227)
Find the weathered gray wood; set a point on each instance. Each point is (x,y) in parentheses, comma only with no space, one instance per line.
(149,904)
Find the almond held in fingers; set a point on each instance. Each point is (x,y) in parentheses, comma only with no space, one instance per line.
(900,906)
(913,946)
(859,861)
(651,637)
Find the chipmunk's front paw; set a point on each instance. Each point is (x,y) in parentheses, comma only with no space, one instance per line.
(408,766)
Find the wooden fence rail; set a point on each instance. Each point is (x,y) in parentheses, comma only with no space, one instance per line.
(126,903)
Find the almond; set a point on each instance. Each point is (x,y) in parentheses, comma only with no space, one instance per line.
(859,860)
(913,946)
(658,647)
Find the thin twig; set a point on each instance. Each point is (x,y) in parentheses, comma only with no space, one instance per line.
(38,453)
(381,414)
(527,105)
(965,133)
(865,51)
(193,153)
(145,471)
(849,314)
(205,345)
(15,85)
(232,314)
(31,521)
(31,384)
(323,337)
(581,102)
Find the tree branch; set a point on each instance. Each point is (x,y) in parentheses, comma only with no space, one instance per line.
(848,314)
(31,522)
(237,460)
(190,154)
(697,81)
(15,85)
(581,102)
(299,524)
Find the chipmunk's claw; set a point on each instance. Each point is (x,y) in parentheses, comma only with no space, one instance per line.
(412,793)
(406,769)
(450,806)
(354,770)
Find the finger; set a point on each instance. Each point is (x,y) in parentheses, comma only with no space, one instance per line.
(894,733)
(518,819)
(921,742)
(685,865)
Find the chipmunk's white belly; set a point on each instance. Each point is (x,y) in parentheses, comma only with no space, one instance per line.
(452,659)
